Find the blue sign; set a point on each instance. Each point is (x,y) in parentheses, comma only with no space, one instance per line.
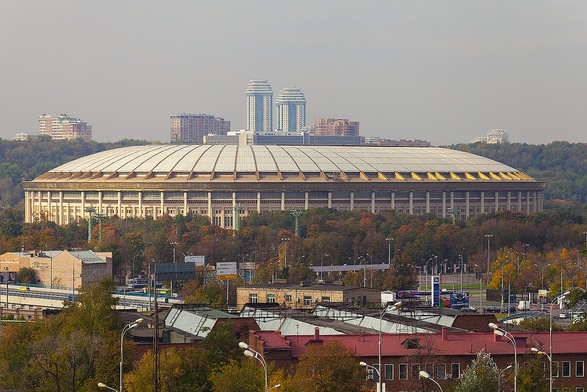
(435,291)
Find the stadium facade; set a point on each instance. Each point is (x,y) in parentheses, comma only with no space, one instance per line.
(221,181)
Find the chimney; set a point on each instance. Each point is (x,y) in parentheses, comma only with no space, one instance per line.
(316,333)
(444,334)
(496,338)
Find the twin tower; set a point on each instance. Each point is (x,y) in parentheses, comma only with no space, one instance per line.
(291,108)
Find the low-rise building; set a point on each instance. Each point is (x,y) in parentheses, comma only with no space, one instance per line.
(306,296)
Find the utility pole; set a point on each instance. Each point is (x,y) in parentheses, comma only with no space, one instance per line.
(488,236)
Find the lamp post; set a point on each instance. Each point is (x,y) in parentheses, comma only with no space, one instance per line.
(539,352)
(390,239)
(284,242)
(371,260)
(500,376)
(424,374)
(489,237)
(126,328)
(321,269)
(249,352)
(366,365)
(388,307)
(174,244)
(501,332)
(102,385)
(526,304)
(480,288)
(152,286)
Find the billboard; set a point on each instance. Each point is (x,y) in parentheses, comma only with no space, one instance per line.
(198,260)
(226,270)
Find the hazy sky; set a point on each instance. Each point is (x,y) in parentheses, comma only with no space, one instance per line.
(443,71)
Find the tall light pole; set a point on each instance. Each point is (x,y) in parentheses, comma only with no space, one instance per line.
(390,239)
(127,327)
(480,288)
(388,307)
(500,376)
(366,365)
(536,351)
(284,242)
(501,332)
(102,385)
(321,265)
(249,352)
(174,244)
(371,259)
(489,237)
(424,374)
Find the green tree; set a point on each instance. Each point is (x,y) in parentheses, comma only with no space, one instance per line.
(480,376)
(238,376)
(326,369)
(26,275)
(180,370)
(221,344)
(531,376)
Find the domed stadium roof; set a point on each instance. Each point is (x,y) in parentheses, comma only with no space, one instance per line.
(212,162)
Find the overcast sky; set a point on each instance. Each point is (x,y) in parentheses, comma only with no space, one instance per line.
(442,71)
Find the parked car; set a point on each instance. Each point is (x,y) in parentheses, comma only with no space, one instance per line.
(492,309)
(468,309)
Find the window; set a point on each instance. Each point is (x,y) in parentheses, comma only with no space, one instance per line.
(270,298)
(415,371)
(253,298)
(566,368)
(403,371)
(429,367)
(307,300)
(579,389)
(441,371)
(325,299)
(455,370)
(389,371)
(555,365)
(288,297)
(580,369)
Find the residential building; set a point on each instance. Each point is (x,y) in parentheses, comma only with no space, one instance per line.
(259,106)
(495,136)
(336,127)
(63,127)
(291,110)
(191,128)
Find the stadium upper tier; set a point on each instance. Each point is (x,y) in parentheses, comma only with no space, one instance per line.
(205,162)
(225,182)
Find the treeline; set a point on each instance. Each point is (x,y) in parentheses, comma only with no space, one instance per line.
(24,160)
(562,165)
(541,247)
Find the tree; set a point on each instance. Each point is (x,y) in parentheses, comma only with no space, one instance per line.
(238,376)
(326,369)
(480,376)
(26,275)
(531,375)
(221,344)
(180,370)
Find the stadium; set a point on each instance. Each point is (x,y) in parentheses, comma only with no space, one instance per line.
(226,182)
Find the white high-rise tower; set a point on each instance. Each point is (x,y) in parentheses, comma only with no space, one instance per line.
(259,106)
(291,110)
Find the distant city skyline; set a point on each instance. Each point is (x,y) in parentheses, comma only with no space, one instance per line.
(445,72)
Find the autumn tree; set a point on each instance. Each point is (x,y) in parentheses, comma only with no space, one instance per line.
(238,376)
(326,369)
(531,376)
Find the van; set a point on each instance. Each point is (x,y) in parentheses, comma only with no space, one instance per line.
(524,305)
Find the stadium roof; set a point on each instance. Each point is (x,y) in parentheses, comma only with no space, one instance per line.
(342,163)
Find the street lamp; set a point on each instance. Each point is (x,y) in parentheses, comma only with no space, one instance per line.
(174,244)
(395,306)
(102,385)
(366,365)
(501,332)
(500,376)
(489,237)
(321,265)
(126,328)
(539,352)
(390,239)
(480,288)
(274,387)
(424,374)
(371,257)
(249,352)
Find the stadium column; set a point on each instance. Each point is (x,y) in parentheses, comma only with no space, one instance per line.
(60,215)
(372,202)
(282,201)
(306,204)
(162,204)
(411,202)
(329,199)
(140,204)
(467,203)
(49,215)
(482,202)
(258,202)
(496,201)
(185,203)
(428,201)
(509,202)
(120,214)
(352,201)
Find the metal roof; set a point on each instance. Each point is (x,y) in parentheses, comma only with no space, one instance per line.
(429,163)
